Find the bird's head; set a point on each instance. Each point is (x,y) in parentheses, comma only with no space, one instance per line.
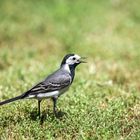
(72,60)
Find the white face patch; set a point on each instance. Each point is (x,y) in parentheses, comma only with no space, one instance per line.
(73,59)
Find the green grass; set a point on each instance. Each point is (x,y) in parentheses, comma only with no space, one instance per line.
(103,102)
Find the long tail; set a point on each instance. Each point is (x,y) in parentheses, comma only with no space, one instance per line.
(12,100)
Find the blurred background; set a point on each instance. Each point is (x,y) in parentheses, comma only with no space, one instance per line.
(107,32)
(36,34)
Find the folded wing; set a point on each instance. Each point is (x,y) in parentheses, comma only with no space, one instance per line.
(50,84)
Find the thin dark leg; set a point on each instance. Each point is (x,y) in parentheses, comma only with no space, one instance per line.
(39,101)
(54,106)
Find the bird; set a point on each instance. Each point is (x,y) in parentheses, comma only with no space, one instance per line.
(54,85)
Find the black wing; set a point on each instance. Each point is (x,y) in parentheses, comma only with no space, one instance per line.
(52,83)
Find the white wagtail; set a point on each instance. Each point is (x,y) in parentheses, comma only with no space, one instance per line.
(55,84)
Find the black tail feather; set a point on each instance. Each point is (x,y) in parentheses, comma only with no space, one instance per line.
(11,100)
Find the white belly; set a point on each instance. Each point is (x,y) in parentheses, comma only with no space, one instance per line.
(48,94)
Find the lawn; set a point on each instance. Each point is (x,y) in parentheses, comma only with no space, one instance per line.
(103,102)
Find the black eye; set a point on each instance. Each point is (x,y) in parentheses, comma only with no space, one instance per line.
(73,58)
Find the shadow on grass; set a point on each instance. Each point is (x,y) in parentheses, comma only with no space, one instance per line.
(33,115)
(45,115)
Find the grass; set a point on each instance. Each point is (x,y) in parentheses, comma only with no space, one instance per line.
(103,102)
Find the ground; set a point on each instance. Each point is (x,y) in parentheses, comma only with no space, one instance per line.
(104,101)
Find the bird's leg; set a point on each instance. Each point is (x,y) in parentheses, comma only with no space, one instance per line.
(39,101)
(54,106)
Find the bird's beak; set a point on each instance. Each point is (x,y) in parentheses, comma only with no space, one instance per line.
(82,60)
